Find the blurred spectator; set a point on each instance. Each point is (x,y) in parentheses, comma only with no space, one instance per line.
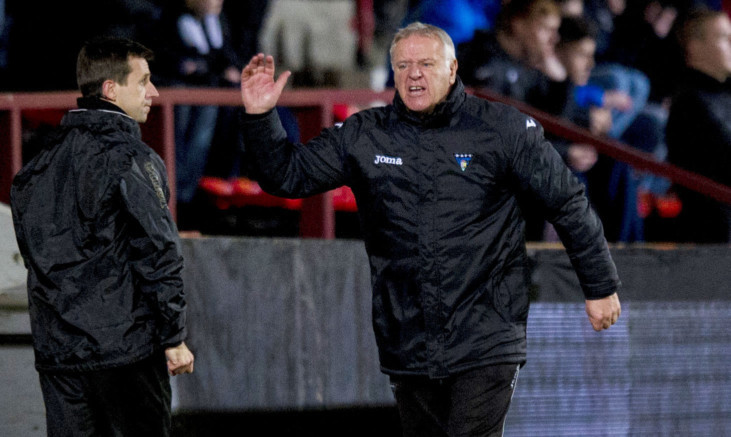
(459,18)
(534,27)
(635,37)
(583,104)
(699,124)
(639,40)
(194,50)
(312,38)
(586,105)
(603,13)
(517,58)
(611,73)
(572,8)
(246,19)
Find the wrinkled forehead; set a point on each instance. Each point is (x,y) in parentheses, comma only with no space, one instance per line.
(419,47)
(420,44)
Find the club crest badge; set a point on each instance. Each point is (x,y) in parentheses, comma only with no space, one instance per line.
(463,160)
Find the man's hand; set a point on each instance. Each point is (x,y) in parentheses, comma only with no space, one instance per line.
(603,313)
(180,359)
(259,91)
(582,157)
(600,120)
(618,100)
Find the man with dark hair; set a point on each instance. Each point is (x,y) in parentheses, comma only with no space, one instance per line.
(698,132)
(104,263)
(517,59)
(438,176)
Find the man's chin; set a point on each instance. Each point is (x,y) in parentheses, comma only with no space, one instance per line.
(142,117)
(417,106)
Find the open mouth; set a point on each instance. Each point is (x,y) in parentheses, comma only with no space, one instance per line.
(416,89)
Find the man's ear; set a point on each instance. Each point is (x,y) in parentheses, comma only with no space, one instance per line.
(453,71)
(109,90)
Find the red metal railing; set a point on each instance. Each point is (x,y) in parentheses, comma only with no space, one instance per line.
(314,111)
(618,150)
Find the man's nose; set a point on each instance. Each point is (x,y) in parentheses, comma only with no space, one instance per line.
(415,71)
(152,91)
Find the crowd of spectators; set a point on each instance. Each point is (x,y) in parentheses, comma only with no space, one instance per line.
(610,66)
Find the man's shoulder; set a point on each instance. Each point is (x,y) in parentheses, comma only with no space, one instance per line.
(98,145)
(495,113)
(374,116)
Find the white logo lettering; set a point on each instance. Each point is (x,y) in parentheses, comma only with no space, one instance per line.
(380,159)
(530,123)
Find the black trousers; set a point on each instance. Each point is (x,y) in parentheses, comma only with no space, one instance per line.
(473,403)
(132,400)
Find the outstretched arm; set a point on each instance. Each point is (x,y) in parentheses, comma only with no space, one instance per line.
(603,313)
(259,91)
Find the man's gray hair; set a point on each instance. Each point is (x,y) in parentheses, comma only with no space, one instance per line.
(429,31)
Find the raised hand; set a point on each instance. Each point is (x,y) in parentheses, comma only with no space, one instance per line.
(259,91)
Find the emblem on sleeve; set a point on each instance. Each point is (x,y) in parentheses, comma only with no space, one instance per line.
(156,183)
(463,160)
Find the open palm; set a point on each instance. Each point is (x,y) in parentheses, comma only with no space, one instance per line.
(259,91)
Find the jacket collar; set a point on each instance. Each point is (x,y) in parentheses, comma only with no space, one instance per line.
(696,78)
(95,111)
(442,113)
(97,103)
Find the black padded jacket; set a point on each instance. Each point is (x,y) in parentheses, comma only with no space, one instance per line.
(439,204)
(102,250)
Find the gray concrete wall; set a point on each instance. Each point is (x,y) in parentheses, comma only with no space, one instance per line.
(22,413)
(284,324)
(12,271)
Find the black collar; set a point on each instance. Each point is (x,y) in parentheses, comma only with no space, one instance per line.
(97,103)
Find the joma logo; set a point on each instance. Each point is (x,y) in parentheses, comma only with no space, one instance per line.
(380,159)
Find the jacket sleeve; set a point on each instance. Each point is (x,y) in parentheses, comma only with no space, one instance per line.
(157,258)
(287,169)
(542,178)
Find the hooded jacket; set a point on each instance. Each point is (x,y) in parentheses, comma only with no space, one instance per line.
(439,204)
(102,251)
